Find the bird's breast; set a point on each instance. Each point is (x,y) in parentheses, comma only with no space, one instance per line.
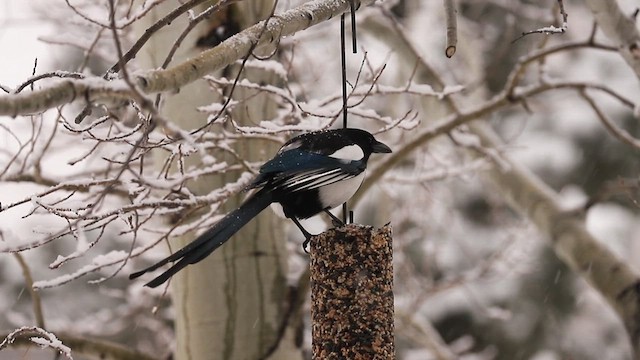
(337,193)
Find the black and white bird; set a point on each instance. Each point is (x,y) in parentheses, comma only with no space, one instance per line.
(311,173)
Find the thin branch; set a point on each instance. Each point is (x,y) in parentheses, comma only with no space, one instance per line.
(520,68)
(265,24)
(426,335)
(35,296)
(53,74)
(80,345)
(193,22)
(616,131)
(131,53)
(450,12)
(549,30)
(35,335)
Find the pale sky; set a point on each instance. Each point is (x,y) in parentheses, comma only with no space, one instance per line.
(19,31)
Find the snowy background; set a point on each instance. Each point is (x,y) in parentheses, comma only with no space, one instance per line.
(466,264)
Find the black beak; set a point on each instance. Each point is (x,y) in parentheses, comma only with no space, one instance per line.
(379,147)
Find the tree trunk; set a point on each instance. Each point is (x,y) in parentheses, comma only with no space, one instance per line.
(230,305)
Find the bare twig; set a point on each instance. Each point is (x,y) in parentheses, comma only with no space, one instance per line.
(35,296)
(616,131)
(548,30)
(131,53)
(193,22)
(265,24)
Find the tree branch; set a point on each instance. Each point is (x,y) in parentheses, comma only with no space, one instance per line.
(239,45)
(100,348)
(615,280)
(451,12)
(235,48)
(620,28)
(35,296)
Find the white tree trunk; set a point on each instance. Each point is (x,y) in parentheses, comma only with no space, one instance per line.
(230,305)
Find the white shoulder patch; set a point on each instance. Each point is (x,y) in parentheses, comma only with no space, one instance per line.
(294,145)
(351,152)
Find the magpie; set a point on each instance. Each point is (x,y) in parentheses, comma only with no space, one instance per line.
(311,173)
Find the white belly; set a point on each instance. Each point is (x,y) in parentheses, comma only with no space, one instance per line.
(337,193)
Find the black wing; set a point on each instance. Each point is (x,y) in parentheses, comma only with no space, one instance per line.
(296,170)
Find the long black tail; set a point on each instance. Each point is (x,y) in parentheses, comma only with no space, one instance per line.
(206,243)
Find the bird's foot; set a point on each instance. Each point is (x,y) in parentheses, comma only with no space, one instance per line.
(335,221)
(305,244)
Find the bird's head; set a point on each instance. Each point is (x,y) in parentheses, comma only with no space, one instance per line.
(366,141)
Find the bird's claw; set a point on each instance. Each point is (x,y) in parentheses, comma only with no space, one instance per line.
(305,244)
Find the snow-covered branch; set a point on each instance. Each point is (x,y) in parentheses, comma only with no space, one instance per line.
(154,81)
(64,343)
(237,47)
(37,336)
(62,92)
